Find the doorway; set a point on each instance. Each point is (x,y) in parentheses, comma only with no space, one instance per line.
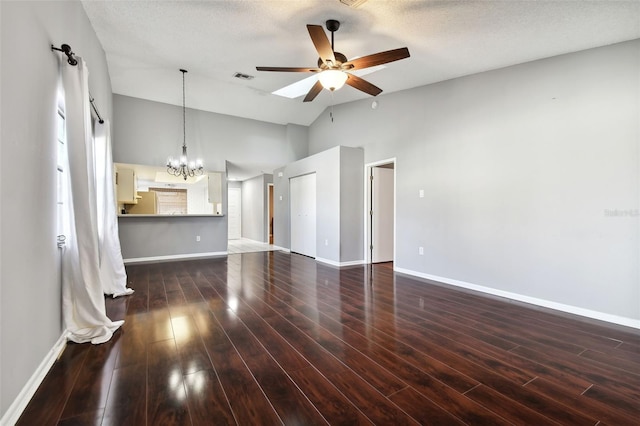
(380,211)
(234,211)
(270,215)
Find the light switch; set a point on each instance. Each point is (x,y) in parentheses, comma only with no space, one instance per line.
(421,193)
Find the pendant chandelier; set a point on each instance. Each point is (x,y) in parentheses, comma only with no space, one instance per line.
(182,166)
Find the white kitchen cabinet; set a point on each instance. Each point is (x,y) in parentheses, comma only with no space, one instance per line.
(126,186)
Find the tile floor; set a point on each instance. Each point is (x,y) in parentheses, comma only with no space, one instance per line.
(245,245)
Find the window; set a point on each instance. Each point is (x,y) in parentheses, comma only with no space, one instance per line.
(171,200)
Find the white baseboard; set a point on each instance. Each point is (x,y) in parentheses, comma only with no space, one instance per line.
(174,257)
(602,316)
(16,408)
(340,264)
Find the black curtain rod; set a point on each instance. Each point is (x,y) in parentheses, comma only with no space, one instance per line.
(67,51)
(71,59)
(95,109)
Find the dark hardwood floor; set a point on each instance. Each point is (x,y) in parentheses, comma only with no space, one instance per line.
(274,338)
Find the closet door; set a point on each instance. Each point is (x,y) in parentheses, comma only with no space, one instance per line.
(302,197)
(234,212)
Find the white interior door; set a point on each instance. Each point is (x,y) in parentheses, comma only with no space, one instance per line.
(234,213)
(302,197)
(382,214)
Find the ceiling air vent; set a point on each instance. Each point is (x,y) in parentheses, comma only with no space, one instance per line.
(353,3)
(242,76)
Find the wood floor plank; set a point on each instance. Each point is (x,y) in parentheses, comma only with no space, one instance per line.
(206,399)
(628,365)
(168,406)
(248,402)
(624,403)
(616,380)
(335,407)
(605,412)
(116,309)
(508,409)
(127,399)
(92,418)
(48,403)
(92,385)
(422,409)
(192,352)
(289,402)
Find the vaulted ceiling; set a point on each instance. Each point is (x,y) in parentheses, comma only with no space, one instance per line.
(147,42)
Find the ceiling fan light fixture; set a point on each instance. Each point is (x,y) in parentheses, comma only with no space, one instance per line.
(332,79)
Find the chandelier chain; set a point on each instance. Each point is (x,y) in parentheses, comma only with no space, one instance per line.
(182,166)
(184,113)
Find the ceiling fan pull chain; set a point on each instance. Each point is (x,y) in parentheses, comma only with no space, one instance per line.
(331,112)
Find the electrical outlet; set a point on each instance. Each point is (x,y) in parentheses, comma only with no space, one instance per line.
(421,193)
(421,250)
(326,242)
(197,238)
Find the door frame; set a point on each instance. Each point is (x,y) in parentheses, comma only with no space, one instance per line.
(367,204)
(270,212)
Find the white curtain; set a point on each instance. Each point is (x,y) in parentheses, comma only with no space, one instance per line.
(82,296)
(112,272)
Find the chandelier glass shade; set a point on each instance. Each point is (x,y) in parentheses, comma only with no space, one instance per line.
(182,166)
(332,79)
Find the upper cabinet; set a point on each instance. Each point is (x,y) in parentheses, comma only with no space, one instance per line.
(126,186)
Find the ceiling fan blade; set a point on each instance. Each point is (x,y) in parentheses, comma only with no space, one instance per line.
(321,42)
(317,88)
(363,85)
(288,69)
(377,59)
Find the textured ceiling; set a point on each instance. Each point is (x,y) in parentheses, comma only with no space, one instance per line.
(146,42)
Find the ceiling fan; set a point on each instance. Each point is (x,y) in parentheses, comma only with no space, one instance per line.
(333,67)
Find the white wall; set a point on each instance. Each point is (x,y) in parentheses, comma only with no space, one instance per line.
(519,167)
(30,307)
